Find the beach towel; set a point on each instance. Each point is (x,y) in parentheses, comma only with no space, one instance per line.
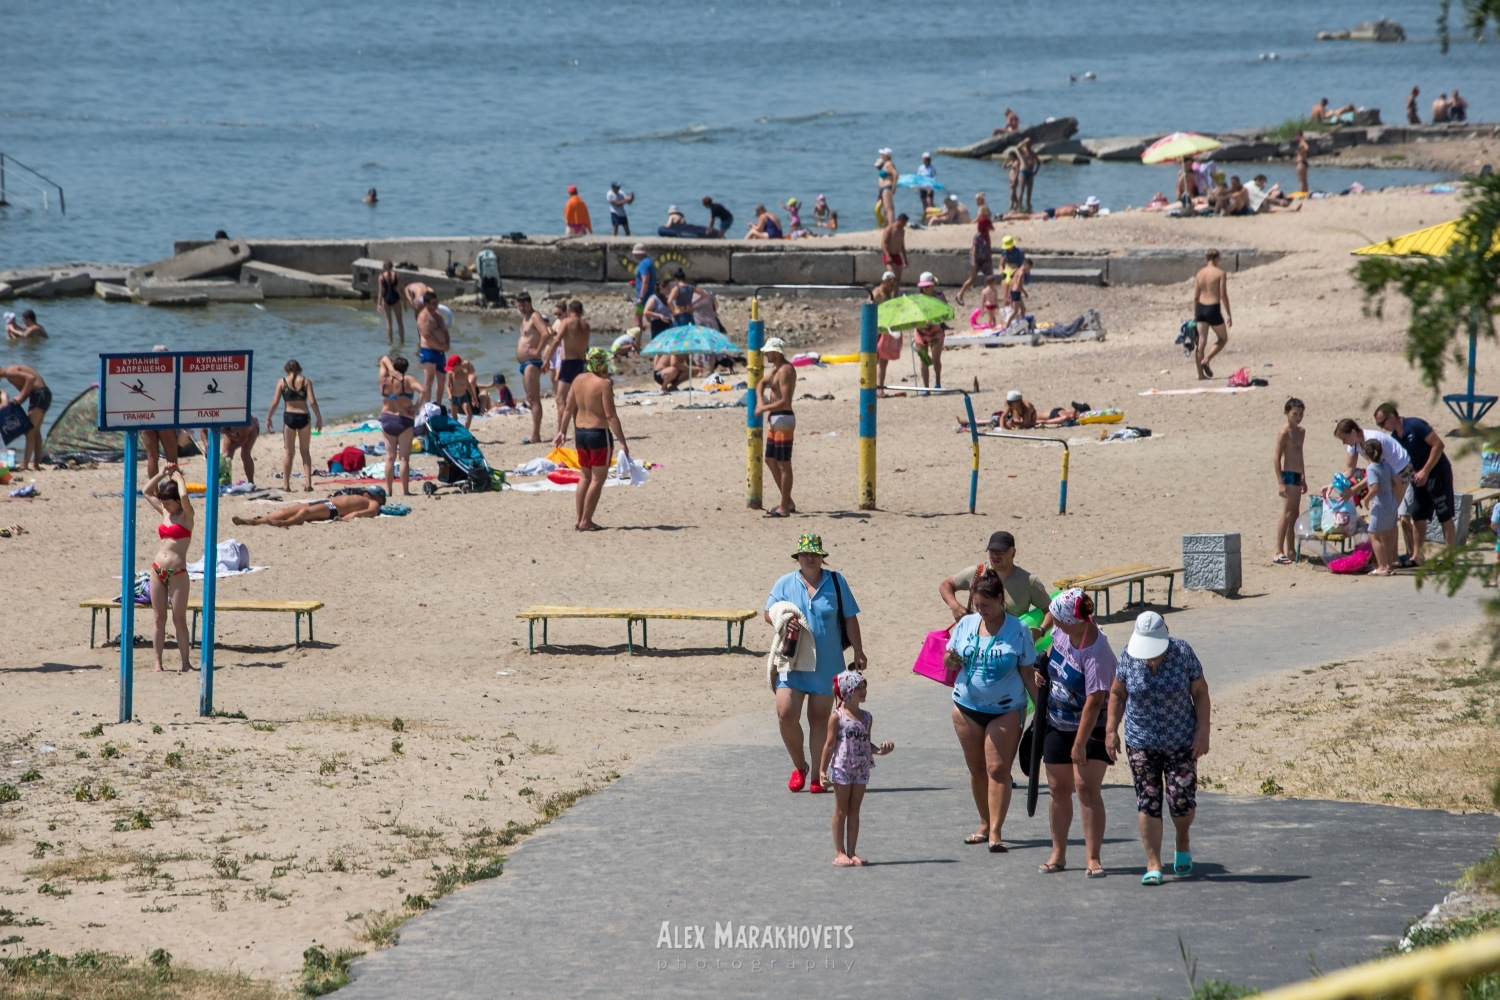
(628,469)
(778,664)
(535,467)
(566,457)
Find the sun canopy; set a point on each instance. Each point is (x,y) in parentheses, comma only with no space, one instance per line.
(1433,241)
(1179,146)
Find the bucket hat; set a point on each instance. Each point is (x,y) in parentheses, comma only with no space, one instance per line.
(810,544)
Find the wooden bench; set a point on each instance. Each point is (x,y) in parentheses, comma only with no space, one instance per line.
(1100,582)
(195,605)
(1483,494)
(633,615)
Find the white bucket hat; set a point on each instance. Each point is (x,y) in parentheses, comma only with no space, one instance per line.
(1150,637)
(774,346)
(1014,396)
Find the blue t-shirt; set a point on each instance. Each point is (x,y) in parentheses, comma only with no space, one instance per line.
(821,610)
(990,679)
(1413,438)
(1014,257)
(1159,712)
(645,279)
(1075,674)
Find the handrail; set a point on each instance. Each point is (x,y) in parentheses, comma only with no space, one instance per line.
(62,202)
(1429,974)
(1062,486)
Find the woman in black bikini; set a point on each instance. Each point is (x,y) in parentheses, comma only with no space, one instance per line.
(169,579)
(388,301)
(398,411)
(296,391)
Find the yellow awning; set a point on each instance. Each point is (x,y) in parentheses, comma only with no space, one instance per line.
(1433,241)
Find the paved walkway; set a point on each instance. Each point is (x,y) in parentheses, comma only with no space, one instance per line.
(706,835)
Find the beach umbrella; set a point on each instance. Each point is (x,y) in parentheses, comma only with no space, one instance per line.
(690,340)
(909,312)
(1179,146)
(1433,241)
(918,181)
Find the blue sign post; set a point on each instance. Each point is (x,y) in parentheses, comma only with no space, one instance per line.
(164,391)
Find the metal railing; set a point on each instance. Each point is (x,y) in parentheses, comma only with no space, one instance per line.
(46,191)
(1430,974)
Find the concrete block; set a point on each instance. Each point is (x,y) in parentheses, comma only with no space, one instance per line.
(1125,147)
(111,292)
(311,256)
(1463,517)
(366,273)
(791,267)
(1067,147)
(277,282)
(868,267)
(557,262)
(211,260)
(182,300)
(6,291)
(1211,561)
(1070,276)
(1242,152)
(430,253)
(700,260)
(163,292)
(1245,259)
(60,284)
(1143,267)
(949,267)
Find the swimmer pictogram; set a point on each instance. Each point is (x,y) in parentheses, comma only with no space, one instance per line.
(212,387)
(139,389)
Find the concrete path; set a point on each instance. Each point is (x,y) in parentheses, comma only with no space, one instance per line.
(707,836)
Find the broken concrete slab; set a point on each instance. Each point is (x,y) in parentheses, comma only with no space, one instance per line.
(1123,147)
(183,300)
(6,292)
(111,292)
(211,260)
(161,292)
(367,276)
(60,284)
(277,282)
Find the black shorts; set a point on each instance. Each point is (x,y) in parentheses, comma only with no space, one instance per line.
(295,421)
(40,399)
(1211,315)
(983,718)
(570,369)
(1422,503)
(467,399)
(1057,746)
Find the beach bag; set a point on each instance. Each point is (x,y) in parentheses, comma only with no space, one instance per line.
(888,346)
(930,663)
(14,422)
(1240,379)
(1187,336)
(351,459)
(838,595)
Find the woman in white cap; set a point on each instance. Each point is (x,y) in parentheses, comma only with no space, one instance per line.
(929,339)
(1160,694)
(1019,415)
(992,653)
(1079,672)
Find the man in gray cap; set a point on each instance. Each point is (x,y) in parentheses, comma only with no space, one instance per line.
(617,201)
(1023,590)
(775,403)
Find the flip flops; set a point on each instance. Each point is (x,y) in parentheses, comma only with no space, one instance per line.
(1182,863)
(997,847)
(1153,877)
(1093,873)
(977,838)
(1049,868)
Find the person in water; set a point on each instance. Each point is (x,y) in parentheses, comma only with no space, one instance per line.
(167,494)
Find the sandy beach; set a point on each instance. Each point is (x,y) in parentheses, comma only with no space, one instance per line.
(317,816)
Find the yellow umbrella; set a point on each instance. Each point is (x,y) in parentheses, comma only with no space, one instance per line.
(1433,241)
(1179,146)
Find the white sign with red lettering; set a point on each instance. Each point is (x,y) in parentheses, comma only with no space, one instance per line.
(164,389)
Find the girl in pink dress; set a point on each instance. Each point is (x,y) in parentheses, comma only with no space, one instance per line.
(847,758)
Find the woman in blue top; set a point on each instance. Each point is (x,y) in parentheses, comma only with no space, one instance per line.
(989,649)
(819,596)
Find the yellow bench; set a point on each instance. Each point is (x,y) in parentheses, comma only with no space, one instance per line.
(633,615)
(1095,583)
(195,605)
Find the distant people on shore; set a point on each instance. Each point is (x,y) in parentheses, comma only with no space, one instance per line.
(1266,197)
(530,341)
(1458,108)
(388,301)
(1211,311)
(370,198)
(981,255)
(658,314)
(23,327)
(1303,155)
(683,299)
(242,440)
(617,201)
(591,409)
(823,216)
(888,346)
(885,190)
(1321,113)
(927,172)
(893,246)
(719,217)
(675,218)
(929,339)
(1012,123)
(1440,109)
(398,411)
(644,281)
(33,394)
(795,230)
(571,334)
(576,214)
(1412,117)
(766,225)
(1085,209)
(167,493)
(952,213)
(774,402)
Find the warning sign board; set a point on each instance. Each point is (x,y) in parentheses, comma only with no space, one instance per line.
(165,389)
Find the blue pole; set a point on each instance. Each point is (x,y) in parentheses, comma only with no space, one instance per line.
(210,578)
(867,336)
(1469,403)
(755,441)
(974,457)
(127,586)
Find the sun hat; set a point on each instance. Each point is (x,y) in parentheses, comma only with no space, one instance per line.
(453,362)
(926,280)
(1091,200)
(846,683)
(673,210)
(1065,607)
(1001,541)
(952,197)
(774,346)
(1008,242)
(810,544)
(634,333)
(1014,396)
(888,276)
(1150,637)
(639,248)
(572,189)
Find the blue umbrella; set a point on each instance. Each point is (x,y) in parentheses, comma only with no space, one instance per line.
(690,340)
(919,181)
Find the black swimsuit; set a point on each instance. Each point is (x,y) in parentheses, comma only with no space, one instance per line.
(390,293)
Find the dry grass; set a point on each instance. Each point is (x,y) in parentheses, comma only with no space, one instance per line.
(1417,724)
(7,835)
(88,865)
(100,976)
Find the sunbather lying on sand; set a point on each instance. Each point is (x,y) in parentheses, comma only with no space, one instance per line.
(340,507)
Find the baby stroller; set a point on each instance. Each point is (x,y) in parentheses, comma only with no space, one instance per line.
(460,462)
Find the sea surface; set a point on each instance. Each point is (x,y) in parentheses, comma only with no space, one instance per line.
(166,122)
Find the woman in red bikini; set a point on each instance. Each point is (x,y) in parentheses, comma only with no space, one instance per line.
(167,493)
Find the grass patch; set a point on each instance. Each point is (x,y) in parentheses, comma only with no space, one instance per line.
(324,971)
(262,727)
(1287,130)
(174,759)
(98,730)
(10,918)
(398,725)
(31,775)
(9,793)
(86,866)
(381,926)
(7,835)
(219,713)
(140,821)
(1485,873)
(97,975)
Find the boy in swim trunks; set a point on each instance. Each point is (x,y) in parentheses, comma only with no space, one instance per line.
(432,335)
(464,387)
(893,246)
(1211,310)
(572,338)
(775,402)
(1292,481)
(591,408)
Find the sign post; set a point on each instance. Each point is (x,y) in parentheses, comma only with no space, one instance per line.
(164,391)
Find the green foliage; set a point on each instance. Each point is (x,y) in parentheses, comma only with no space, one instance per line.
(109,750)
(1287,130)
(157,731)
(1271,786)
(1485,873)
(173,759)
(219,713)
(262,727)
(227,866)
(417,902)
(140,821)
(1209,989)
(1477,14)
(396,746)
(1485,987)
(98,730)
(397,725)
(9,793)
(324,971)
(31,775)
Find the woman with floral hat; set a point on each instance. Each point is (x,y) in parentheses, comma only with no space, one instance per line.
(827,605)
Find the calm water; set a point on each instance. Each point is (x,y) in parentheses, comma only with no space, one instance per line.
(168,122)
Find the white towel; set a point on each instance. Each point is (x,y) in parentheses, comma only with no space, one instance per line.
(783,613)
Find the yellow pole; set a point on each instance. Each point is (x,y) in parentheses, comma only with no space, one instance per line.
(755,441)
(867,383)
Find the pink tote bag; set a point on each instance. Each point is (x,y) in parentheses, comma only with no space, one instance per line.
(930,661)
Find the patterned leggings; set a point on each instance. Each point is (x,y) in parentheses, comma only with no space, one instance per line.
(1172,771)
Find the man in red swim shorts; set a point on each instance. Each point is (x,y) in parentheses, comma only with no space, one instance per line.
(591,408)
(893,246)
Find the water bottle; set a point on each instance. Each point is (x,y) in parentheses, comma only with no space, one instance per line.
(793,632)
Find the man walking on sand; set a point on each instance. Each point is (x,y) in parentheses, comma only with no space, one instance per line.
(591,409)
(432,336)
(573,333)
(576,214)
(32,393)
(893,246)
(533,337)
(1211,310)
(775,403)
(1431,491)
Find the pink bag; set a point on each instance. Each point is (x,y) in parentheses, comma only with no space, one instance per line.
(930,661)
(1240,379)
(888,346)
(1357,561)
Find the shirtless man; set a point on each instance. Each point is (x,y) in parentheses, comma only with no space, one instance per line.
(890,346)
(893,246)
(533,337)
(1030,164)
(775,403)
(416,294)
(1291,480)
(1211,310)
(32,389)
(28,327)
(432,336)
(335,508)
(1440,109)
(591,409)
(572,332)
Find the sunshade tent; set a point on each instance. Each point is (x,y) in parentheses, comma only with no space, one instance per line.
(75,434)
(690,340)
(907,312)
(918,181)
(1179,146)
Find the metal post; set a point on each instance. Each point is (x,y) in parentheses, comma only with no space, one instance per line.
(210,577)
(974,458)
(1469,403)
(755,438)
(867,336)
(1062,488)
(127,587)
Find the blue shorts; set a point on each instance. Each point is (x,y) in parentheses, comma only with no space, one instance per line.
(428,356)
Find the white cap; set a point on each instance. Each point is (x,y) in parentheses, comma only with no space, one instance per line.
(885,151)
(927,276)
(1150,637)
(953,197)
(926,156)
(775,346)
(888,276)
(1091,201)
(673,208)
(1014,396)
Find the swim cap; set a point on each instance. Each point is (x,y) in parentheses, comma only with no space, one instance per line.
(597,361)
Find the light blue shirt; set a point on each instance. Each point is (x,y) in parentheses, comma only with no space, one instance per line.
(990,679)
(821,611)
